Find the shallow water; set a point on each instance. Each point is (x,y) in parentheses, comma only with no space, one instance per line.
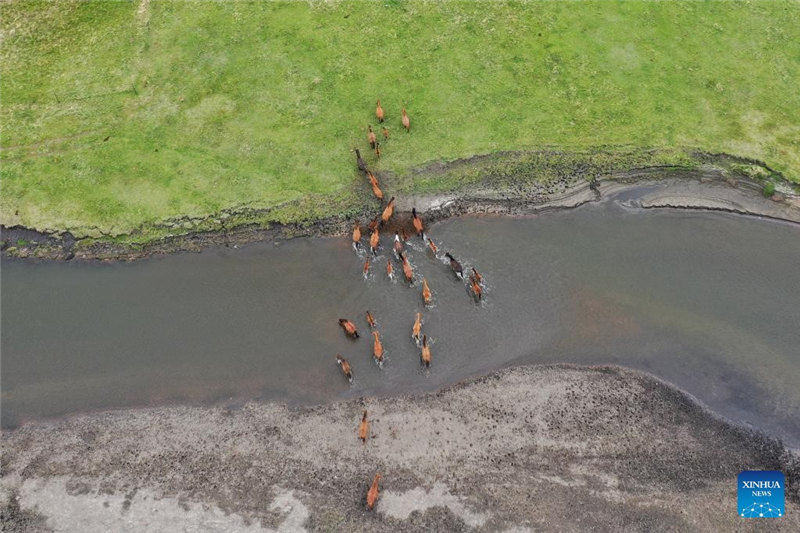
(706,301)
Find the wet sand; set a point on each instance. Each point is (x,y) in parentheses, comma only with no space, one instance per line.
(562,448)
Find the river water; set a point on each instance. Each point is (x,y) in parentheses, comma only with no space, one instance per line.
(707,301)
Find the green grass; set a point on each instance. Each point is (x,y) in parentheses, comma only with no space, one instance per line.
(217,105)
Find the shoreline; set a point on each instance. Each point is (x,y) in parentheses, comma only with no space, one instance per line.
(598,447)
(718,182)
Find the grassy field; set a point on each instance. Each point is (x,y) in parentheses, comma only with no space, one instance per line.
(117,115)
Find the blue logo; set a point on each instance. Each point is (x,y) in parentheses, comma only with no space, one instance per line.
(761,494)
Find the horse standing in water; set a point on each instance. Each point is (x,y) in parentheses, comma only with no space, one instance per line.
(415,331)
(456,266)
(377,349)
(426,292)
(342,362)
(374,240)
(356,236)
(407,271)
(425,355)
(348,327)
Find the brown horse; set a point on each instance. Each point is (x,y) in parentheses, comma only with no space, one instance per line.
(407,271)
(476,276)
(476,288)
(342,362)
(417,222)
(374,222)
(425,355)
(432,246)
(379,111)
(371,137)
(348,327)
(356,236)
(372,494)
(426,292)
(398,245)
(363,428)
(376,190)
(415,331)
(374,240)
(389,211)
(377,349)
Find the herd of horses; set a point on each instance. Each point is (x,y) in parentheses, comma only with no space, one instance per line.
(401,237)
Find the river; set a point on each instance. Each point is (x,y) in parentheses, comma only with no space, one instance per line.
(709,302)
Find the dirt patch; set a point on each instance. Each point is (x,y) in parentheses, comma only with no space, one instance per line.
(558,447)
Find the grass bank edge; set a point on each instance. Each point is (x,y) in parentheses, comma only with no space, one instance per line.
(511,174)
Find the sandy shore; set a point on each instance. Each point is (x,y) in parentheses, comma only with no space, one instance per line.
(532,448)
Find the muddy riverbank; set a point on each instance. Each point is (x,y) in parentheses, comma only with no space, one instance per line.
(717,182)
(530,448)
